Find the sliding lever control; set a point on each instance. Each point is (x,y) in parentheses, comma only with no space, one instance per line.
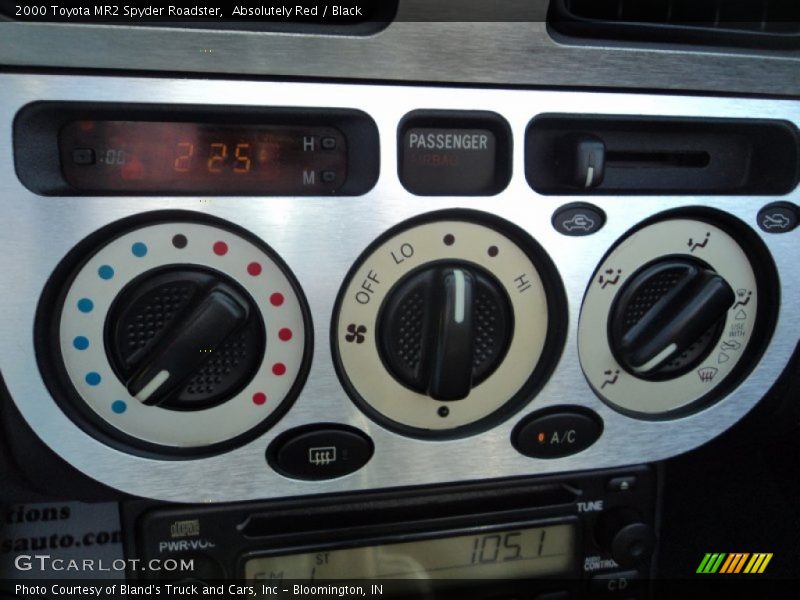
(444,329)
(580,160)
(668,317)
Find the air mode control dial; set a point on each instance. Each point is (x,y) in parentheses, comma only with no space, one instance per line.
(666,319)
(672,313)
(448,323)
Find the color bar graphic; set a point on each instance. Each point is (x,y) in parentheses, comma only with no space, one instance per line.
(734,563)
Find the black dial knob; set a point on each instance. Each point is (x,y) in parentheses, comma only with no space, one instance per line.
(444,328)
(184,337)
(625,536)
(668,317)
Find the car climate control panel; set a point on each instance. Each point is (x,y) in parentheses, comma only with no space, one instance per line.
(227,291)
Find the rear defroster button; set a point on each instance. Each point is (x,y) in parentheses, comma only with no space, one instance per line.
(320,452)
(557,432)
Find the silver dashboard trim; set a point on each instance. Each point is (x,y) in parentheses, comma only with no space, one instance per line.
(320,238)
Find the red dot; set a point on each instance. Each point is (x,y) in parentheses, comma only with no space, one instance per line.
(276,299)
(259,398)
(279,369)
(254,269)
(285,334)
(220,248)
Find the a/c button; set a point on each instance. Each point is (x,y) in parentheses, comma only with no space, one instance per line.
(555,433)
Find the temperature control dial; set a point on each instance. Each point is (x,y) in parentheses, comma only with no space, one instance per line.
(672,313)
(161,319)
(176,334)
(448,323)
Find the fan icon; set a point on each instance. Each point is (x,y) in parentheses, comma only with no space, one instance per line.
(355,333)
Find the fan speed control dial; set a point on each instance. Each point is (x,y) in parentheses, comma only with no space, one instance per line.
(448,323)
(445,328)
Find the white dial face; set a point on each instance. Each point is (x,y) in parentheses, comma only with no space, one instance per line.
(385,266)
(690,238)
(107,272)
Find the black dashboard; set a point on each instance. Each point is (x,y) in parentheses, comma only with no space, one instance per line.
(445,301)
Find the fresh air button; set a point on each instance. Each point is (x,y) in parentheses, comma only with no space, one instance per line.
(443,153)
(320,452)
(778,217)
(555,433)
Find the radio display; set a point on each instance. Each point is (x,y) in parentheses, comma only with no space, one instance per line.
(200,158)
(508,554)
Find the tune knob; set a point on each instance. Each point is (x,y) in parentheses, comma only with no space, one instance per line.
(668,316)
(445,328)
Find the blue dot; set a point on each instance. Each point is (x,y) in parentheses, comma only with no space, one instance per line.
(85,305)
(119,407)
(93,378)
(139,249)
(105,272)
(80,343)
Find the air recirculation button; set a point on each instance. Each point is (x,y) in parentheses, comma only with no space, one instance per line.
(444,329)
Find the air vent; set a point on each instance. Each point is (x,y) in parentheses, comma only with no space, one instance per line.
(750,23)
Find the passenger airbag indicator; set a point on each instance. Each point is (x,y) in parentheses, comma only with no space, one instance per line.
(454,155)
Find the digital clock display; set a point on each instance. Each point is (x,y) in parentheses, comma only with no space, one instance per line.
(507,554)
(197,158)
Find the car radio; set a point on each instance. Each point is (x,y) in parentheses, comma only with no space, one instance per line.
(579,534)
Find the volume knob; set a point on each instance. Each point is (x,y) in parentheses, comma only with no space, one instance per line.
(622,532)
